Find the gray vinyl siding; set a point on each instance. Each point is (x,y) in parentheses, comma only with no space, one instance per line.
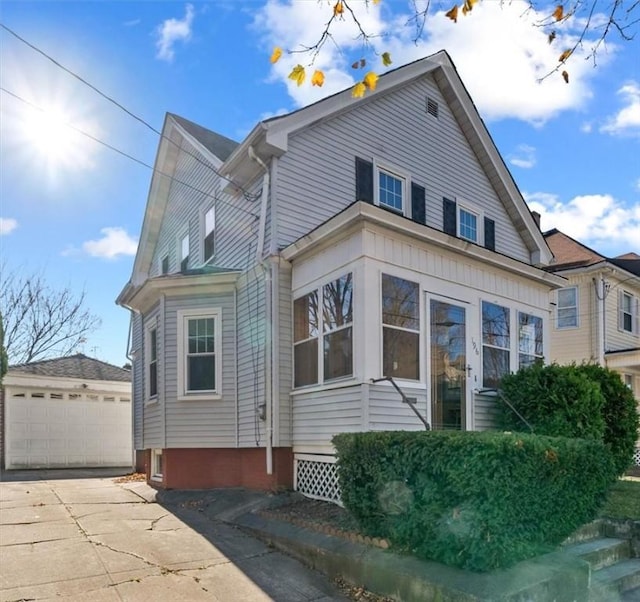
(387,411)
(485,411)
(153,431)
(251,358)
(192,422)
(285,360)
(316,177)
(137,376)
(319,415)
(194,189)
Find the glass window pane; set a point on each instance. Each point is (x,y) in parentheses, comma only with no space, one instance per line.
(201,373)
(153,379)
(495,325)
(338,357)
(390,191)
(209,221)
(567,297)
(495,364)
(400,302)
(401,354)
(530,338)
(567,317)
(337,307)
(306,363)
(468,225)
(305,317)
(154,344)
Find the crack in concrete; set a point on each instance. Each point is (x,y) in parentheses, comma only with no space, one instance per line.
(154,522)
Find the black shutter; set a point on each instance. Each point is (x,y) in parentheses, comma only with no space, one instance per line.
(489,234)
(418,210)
(449,222)
(364,180)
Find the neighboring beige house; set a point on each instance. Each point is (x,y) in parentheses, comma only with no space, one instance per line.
(277,280)
(597,313)
(72,411)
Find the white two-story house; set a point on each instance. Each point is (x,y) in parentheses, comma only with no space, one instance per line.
(278,279)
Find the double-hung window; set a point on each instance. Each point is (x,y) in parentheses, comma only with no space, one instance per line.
(331,357)
(400,328)
(209,234)
(391,191)
(567,308)
(199,352)
(184,253)
(626,312)
(529,339)
(152,362)
(467,224)
(496,344)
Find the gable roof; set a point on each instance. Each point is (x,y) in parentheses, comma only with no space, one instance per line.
(74,366)
(219,145)
(571,254)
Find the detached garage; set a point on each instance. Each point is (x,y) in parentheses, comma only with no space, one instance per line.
(66,412)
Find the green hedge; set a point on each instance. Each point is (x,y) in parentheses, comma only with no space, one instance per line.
(474,500)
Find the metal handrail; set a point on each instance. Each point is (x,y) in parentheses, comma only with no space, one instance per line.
(501,395)
(405,399)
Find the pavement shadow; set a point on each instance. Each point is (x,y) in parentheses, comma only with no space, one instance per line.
(57,474)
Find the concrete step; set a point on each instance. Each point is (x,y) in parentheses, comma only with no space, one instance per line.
(633,595)
(601,552)
(592,530)
(611,582)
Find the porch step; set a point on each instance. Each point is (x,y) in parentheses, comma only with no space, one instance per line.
(587,532)
(601,552)
(620,581)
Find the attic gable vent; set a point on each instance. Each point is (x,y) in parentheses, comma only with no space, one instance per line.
(432,107)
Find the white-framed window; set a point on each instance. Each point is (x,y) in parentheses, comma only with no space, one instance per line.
(496,344)
(199,353)
(627,312)
(628,380)
(511,340)
(567,307)
(208,238)
(156,465)
(151,361)
(469,224)
(323,336)
(391,189)
(400,327)
(164,264)
(184,252)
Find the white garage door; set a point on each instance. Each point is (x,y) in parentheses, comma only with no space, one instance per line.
(55,433)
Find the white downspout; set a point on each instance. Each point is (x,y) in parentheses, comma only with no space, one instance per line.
(268,308)
(600,300)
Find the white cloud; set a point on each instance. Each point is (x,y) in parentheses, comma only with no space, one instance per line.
(597,220)
(500,54)
(114,242)
(525,157)
(7,225)
(172,31)
(627,120)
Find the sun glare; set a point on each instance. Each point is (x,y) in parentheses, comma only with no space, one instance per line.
(51,136)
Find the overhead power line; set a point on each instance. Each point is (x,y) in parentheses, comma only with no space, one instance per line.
(248,196)
(128,156)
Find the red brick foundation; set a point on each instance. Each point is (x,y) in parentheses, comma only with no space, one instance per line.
(207,468)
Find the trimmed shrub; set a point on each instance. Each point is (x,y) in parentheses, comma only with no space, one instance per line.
(477,500)
(561,401)
(621,421)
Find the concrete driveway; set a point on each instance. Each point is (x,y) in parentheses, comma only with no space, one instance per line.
(94,539)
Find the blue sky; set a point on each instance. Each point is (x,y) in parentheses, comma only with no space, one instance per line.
(72,209)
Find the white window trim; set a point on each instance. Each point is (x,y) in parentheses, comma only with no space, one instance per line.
(183,234)
(203,232)
(155,473)
(161,258)
(148,327)
(635,313)
(577,305)
(462,205)
(182,316)
(396,172)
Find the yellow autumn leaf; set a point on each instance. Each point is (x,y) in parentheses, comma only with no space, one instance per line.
(453,14)
(376,1)
(338,8)
(386,59)
(370,80)
(565,76)
(317,79)
(358,90)
(558,13)
(276,54)
(564,56)
(297,74)
(468,6)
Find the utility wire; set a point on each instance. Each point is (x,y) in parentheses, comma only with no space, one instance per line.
(248,196)
(131,157)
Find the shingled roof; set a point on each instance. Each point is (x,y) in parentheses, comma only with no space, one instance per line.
(219,145)
(74,366)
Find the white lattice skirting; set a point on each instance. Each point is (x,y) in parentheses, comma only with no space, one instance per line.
(317,477)
(636,457)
